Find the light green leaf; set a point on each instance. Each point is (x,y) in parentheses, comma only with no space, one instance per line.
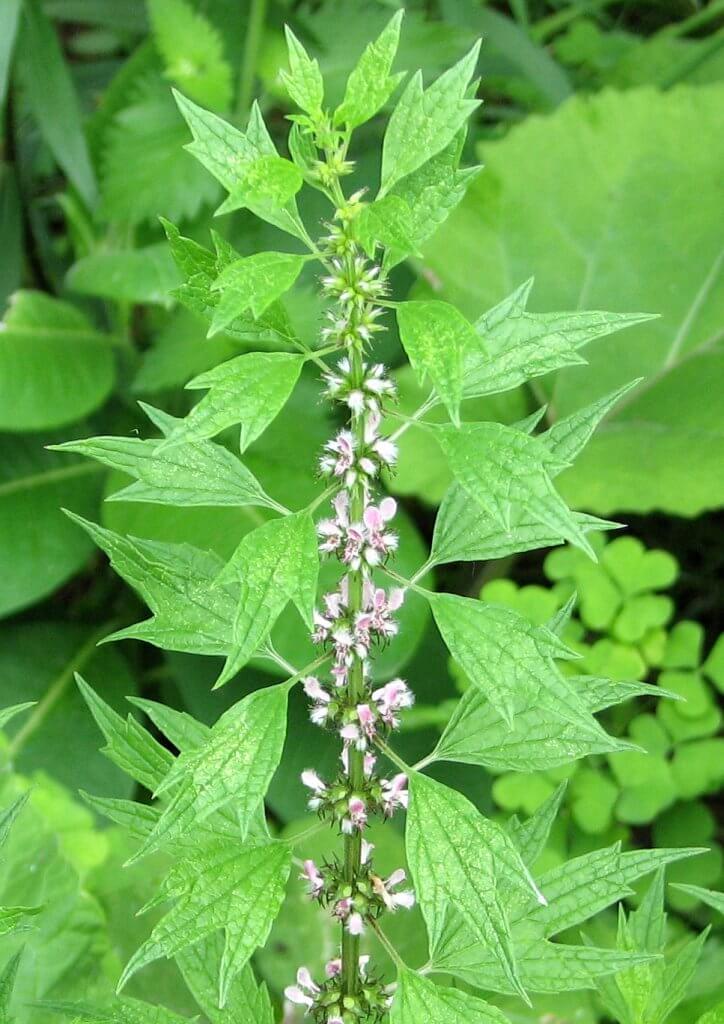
(52,98)
(511,661)
(418,999)
(502,468)
(388,223)
(465,532)
(7,983)
(122,1011)
(179,352)
(132,275)
(249,390)
(591,197)
(191,613)
(437,339)
(196,472)
(531,836)
(708,896)
(192,52)
(525,345)
(145,170)
(425,121)
(370,84)
(235,763)
(220,886)
(304,79)
(274,564)
(459,858)
(253,283)
(54,366)
(430,194)
(246,1003)
(582,887)
(567,438)
(268,183)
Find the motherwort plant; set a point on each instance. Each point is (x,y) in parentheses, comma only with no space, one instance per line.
(489,920)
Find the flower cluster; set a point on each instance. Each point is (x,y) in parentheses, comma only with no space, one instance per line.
(358,396)
(369,541)
(351,461)
(327,1000)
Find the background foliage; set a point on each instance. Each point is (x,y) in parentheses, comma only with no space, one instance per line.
(603,169)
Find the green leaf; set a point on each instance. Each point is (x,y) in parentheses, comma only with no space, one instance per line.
(39,548)
(657,450)
(370,84)
(525,345)
(418,999)
(220,886)
(192,52)
(54,366)
(179,352)
(7,983)
(582,887)
(122,1011)
(196,472)
(502,468)
(540,738)
(425,121)
(303,81)
(459,858)
(235,763)
(9,17)
(464,532)
(708,896)
(132,275)
(268,183)
(253,283)
(249,390)
(274,564)
(145,170)
(387,222)
(531,836)
(246,1003)
(437,339)
(52,98)
(191,613)
(510,660)
(430,194)
(567,438)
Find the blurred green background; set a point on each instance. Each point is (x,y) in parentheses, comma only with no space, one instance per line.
(601,138)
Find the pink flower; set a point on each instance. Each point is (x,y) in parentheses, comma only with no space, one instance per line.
(391,698)
(312,781)
(355,924)
(392,900)
(312,875)
(394,794)
(367,719)
(303,993)
(333,968)
(342,909)
(367,851)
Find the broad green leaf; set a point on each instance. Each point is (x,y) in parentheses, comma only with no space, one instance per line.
(268,183)
(196,472)
(253,284)
(54,366)
(191,612)
(50,92)
(418,999)
(387,222)
(426,120)
(503,469)
(465,532)
(523,345)
(192,52)
(303,81)
(221,886)
(9,17)
(675,977)
(132,275)
(249,390)
(430,194)
(582,887)
(122,1011)
(370,84)
(567,438)
(591,197)
(179,352)
(540,737)
(235,764)
(146,173)
(247,1001)
(274,564)
(39,548)
(511,661)
(437,339)
(459,858)
(708,896)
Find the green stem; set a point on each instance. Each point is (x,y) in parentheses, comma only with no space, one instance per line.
(247,72)
(392,756)
(56,690)
(394,955)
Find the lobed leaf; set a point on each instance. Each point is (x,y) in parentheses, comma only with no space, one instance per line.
(370,83)
(192,52)
(417,999)
(253,283)
(247,1002)
(304,79)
